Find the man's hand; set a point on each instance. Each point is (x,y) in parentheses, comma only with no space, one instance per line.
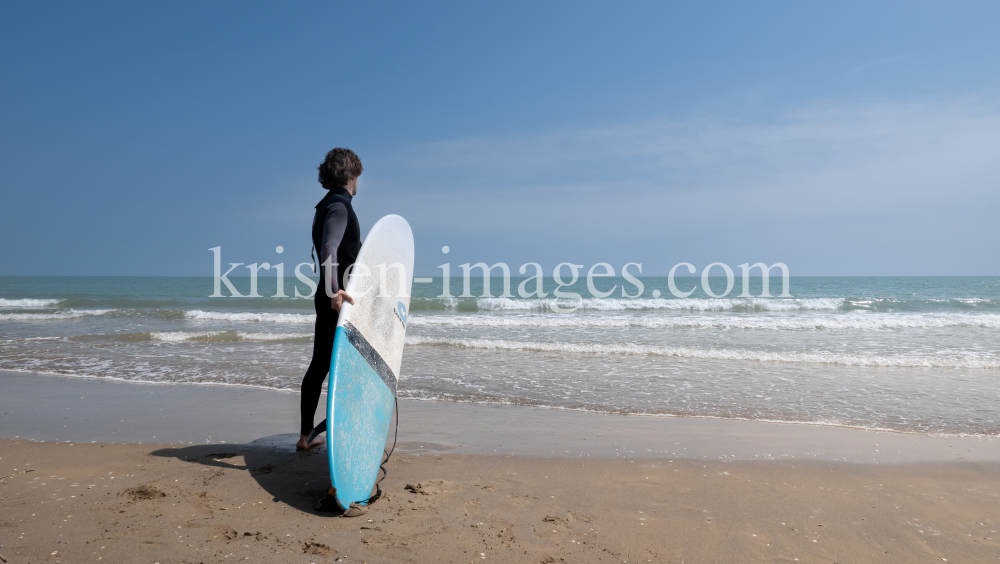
(338,300)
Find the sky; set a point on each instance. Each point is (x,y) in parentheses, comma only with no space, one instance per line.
(848,138)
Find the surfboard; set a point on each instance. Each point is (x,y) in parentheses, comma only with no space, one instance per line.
(367,353)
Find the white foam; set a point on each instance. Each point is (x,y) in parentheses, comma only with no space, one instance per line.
(629,304)
(272,336)
(60,315)
(909,361)
(140,380)
(721,304)
(853,320)
(251,317)
(179,336)
(27,303)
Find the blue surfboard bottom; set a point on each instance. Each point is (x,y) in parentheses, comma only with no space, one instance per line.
(359,411)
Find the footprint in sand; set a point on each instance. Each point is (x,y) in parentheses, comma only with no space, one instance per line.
(432,487)
(317,548)
(144,492)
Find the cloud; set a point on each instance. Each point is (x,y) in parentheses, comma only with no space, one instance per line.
(888,139)
(917,176)
(903,153)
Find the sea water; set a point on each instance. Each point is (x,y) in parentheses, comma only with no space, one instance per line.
(910,354)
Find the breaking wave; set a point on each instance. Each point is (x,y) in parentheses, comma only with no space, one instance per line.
(909,361)
(827,321)
(252,317)
(222,336)
(54,316)
(626,304)
(27,303)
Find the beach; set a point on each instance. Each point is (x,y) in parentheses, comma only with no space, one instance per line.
(141,421)
(512,484)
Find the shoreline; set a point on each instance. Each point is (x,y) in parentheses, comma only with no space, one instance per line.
(45,407)
(512,405)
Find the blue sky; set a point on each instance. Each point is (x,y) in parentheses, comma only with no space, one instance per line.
(841,139)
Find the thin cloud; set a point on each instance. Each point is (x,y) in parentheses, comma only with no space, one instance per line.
(915,139)
(916,177)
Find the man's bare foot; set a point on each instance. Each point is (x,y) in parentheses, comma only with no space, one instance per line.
(303,445)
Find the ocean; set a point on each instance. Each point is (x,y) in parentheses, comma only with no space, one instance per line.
(907,354)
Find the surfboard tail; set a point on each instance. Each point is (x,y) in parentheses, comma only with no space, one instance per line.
(359,412)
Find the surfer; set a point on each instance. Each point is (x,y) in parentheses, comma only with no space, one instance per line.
(337,236)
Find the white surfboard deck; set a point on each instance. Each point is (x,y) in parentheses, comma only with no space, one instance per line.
(367,353)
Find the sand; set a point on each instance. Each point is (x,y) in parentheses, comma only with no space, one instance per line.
(68,502)
(583,490)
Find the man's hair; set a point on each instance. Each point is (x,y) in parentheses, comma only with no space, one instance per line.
(340,166)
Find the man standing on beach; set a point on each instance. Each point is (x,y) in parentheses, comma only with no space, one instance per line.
(337,236)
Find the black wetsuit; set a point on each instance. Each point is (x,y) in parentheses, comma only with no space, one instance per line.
(335,233)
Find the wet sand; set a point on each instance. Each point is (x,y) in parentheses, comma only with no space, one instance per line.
(785,493)
(56,408)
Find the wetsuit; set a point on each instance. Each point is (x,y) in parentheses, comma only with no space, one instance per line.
(336,234)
